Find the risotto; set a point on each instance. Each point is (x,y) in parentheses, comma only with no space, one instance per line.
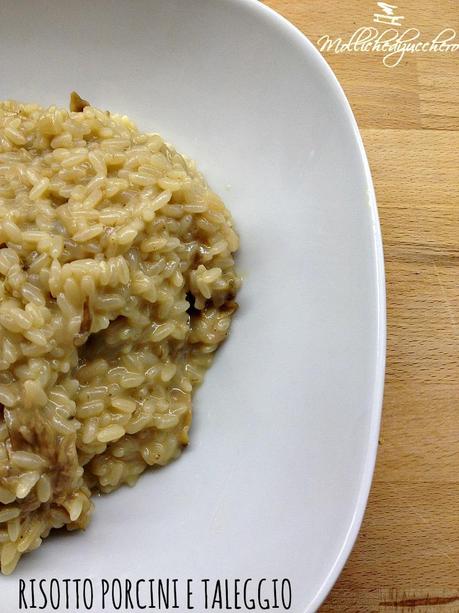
(117,285)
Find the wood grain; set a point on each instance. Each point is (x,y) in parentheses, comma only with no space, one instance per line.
(407,555)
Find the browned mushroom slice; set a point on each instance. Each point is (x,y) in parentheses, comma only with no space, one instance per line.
(77,103)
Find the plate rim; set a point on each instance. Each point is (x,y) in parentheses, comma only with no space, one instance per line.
(297,36)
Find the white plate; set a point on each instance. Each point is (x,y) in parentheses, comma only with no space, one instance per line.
(284,437)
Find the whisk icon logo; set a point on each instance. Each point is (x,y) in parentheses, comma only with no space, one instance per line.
(388,15)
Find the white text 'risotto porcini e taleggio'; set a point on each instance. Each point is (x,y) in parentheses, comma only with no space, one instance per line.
(117,284)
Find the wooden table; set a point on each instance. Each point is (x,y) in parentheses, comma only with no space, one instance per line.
(407,555)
